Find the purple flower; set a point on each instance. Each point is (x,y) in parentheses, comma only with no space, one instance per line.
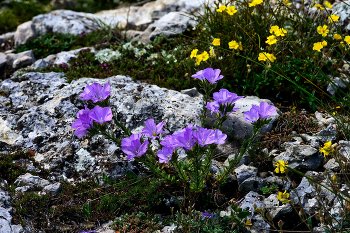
(127,141)
(185,138)
(96,92)
(170,141)
(165,154)
(199,75)
(225,97)
(133,148)
(83,123)
(219,137)
(204,136)
(152,130)
(206,215)
(101,115)
(209,74)
(265,110)
(252,115)
(213,107)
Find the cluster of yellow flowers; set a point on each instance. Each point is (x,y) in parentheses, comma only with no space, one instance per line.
(255,2)
(319,45)
(326,3)
(229,9)
(200,57)
(266,56)
(327,148)
(281,167)
(278,31)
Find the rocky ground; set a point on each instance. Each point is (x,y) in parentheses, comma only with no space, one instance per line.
(37,109)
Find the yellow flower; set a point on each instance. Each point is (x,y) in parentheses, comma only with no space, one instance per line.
(255,2)
(233,44)
(324,43)
(283,197)
(211,52)
(248,223)
(221,8)
(216,42)
(273,29)
(281,166)
(327,4)
(271,57)
(318,6)
(280,32)
(318,46)
(333,18)
(347,39)
(266,56)
(334,178)
(202,57)
(337,36)
(323,30)
(194,53)
(240,46)
(342,44)
(287,2)
(271,40)
(327,148)
(231,10)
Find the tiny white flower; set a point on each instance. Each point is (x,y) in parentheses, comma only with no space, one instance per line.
(220,58)
(175,60)
(172,227)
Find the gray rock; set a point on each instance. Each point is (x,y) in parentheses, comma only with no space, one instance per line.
(343,11)
(170,25)
(58,21)
(2,40)
(5,199)
(244,160)
(327,134)
(2,63)
(84,160)
(193,92)
(53,189)
(302,157)
(332,165)
(272,204)
(344,148)
(244,172)
(22,62)
(333,88)
(31,181)
(40,64)
(8,36)
(11,57)
(253,183)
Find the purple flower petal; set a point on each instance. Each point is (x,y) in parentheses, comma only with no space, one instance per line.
(96,92)
(265,110)
(101,115)
(152,130)
(83,123)
(252,115)
(219,137)
(204,136)
(134,148)
(165,154)
(213,107)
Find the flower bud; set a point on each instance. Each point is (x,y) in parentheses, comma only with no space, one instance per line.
(280,224)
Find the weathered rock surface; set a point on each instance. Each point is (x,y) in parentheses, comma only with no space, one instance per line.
(301,157)
(5,215)
(2,63)
(59,21)
(22,62)
(11,57)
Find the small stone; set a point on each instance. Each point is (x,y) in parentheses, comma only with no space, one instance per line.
(22,62)
(53,189)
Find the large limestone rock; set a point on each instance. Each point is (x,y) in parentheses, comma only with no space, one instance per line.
(59,21)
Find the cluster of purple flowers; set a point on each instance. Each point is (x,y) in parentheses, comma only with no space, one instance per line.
(96,92)
(208,74)
(263,111)
(224,102)
(86,116)
(185,138)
